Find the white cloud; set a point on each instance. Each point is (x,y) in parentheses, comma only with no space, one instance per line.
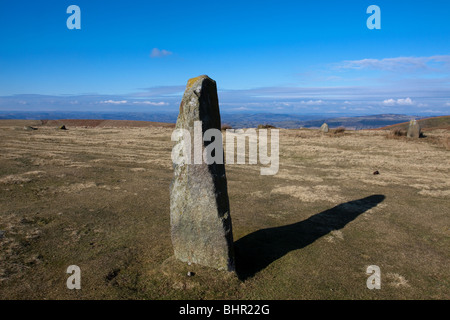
(313,102)
(448,104)
(144,102)
(389,102)
(399,63)
(404,102)
(398,102)
(240,109)
(151,103)
(114,101)
(156,53)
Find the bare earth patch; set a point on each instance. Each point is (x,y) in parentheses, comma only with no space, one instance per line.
(310,194)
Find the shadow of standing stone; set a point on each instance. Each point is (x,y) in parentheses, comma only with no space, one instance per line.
(257,250)
(199,207)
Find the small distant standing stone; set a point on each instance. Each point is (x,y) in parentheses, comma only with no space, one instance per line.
(199,207)
(413,130)
(28,128)
(324,128)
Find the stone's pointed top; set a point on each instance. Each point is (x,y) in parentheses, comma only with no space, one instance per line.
(191,81)
(324,128)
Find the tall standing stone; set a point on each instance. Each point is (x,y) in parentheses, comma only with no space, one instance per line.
(324,128)
(413,130)
(199,207)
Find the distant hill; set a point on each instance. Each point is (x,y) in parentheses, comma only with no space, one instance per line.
(169,117)
(105,123)
(252,120)
(235,120)
(300,121)
(361,122)
(89,123)
(442,122)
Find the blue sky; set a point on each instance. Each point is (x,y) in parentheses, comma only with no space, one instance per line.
(266,56)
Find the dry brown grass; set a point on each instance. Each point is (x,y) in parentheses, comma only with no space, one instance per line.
(99,198)
(397,132)
(266,126)
(446,142)
(339,131)
(443,142)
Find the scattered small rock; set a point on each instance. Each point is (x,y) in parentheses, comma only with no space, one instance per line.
(112,274)
(266,126)
(190,274)
(28,128)
(2,233)
(376,172)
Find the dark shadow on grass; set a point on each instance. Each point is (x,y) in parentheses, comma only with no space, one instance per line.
(257,250)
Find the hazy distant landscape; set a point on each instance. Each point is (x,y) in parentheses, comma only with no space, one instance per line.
(236,120)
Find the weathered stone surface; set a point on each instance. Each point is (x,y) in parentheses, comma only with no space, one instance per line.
(324,128)
(199,207)
(413,130)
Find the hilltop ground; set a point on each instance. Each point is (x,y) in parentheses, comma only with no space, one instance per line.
(98,197)
(426,124)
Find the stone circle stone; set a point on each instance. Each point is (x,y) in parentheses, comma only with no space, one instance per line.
(200,218)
